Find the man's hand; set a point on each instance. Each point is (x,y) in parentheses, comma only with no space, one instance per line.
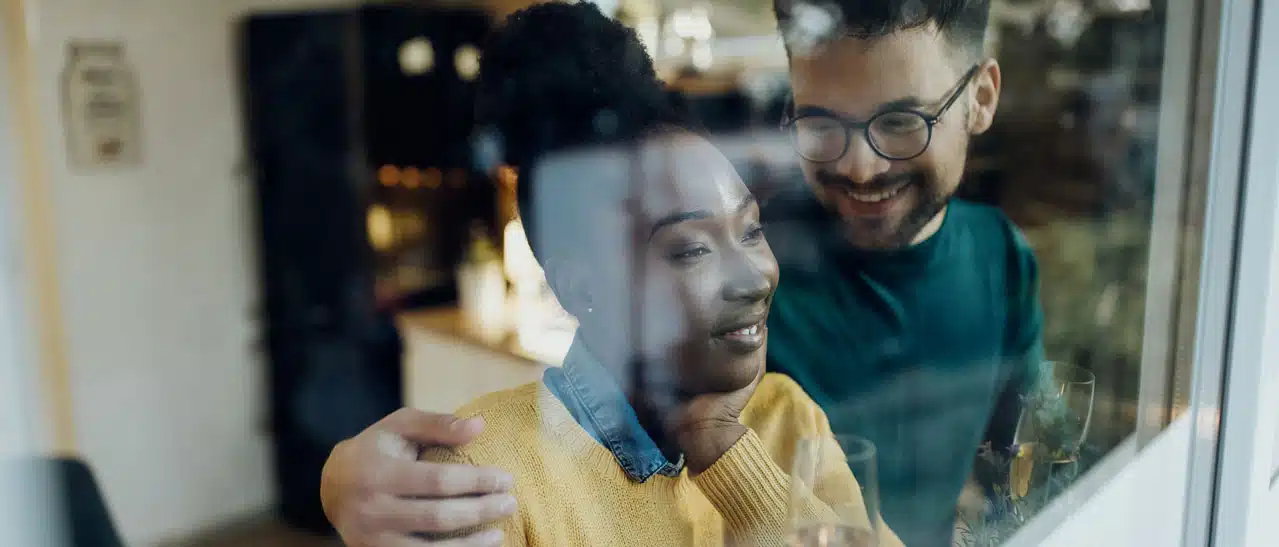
(377,494)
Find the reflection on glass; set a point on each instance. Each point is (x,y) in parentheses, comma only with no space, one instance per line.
(819,472)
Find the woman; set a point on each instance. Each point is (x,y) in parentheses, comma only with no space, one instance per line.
(661,428)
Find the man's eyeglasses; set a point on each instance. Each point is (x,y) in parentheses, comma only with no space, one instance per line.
(897,134)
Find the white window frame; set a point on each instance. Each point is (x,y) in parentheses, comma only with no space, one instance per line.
(1246,496)
(1158,487)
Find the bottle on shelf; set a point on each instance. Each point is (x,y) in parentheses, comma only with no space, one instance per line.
(481,287)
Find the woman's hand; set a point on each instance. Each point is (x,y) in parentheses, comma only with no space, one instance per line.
(707,425)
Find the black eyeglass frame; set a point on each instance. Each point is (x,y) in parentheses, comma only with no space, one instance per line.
(930,120)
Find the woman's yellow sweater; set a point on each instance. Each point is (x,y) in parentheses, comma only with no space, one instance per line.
(572,492)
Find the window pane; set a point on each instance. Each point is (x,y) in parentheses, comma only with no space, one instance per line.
(685,319)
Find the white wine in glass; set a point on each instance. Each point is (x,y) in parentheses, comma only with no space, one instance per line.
(1052,428)
(834,493)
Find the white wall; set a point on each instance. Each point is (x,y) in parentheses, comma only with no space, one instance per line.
(156,271)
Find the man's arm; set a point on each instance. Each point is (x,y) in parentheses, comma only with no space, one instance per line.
(376,494)
(1023,349)
(509,532)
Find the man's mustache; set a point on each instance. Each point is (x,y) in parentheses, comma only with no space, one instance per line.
(829,180)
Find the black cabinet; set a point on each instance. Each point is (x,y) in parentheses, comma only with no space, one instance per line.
(366,187)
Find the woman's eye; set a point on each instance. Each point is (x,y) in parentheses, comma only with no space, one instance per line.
(754,234)
(684,255)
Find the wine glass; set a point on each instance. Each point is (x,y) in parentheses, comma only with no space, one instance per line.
(834,493)
(1052,426)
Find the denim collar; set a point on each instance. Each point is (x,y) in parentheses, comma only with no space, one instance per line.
(596,402)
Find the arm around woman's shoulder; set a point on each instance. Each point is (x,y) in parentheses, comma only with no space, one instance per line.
(503,413)
(458,460)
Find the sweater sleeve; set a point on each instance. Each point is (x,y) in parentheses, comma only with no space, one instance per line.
(754,495)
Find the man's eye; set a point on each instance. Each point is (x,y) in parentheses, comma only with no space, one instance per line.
(899,123)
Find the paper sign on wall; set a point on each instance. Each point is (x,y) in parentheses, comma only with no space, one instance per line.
(101,108)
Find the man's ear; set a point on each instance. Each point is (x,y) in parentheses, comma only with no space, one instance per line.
(984,97)
(571,285)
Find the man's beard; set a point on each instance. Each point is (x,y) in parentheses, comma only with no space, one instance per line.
(927,196)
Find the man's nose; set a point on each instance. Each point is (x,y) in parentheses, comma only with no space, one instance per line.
(861,163)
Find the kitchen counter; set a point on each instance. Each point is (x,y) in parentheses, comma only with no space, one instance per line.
(445,364)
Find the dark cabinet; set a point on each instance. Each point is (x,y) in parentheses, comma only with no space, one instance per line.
(366,187)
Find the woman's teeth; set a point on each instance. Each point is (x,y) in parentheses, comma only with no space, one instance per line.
(748,331)
(874,197)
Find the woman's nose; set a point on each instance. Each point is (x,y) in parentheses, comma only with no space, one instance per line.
(747,282)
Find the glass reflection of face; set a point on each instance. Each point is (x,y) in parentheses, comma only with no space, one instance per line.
(670,270)
(891,203)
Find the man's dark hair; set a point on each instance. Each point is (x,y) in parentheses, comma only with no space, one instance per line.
(963,22)
(558,76)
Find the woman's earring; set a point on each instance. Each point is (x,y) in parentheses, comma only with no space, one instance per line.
(590,310)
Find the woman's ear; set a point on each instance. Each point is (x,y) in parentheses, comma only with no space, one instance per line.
(984,99)
(571,285)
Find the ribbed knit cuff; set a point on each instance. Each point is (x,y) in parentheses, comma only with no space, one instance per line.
(748,488)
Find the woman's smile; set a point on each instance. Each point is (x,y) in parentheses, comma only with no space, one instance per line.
(742,335)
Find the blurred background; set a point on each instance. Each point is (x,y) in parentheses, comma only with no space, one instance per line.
(273,222)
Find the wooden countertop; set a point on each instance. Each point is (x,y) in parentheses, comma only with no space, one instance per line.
(446,365)
(447,321)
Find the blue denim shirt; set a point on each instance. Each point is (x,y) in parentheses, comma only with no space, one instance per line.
(596,402)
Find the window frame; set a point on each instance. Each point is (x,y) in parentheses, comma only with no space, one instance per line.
(1204,109)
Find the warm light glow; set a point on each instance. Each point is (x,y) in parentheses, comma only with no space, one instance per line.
(702,57)
(543,329)
(381,228)
(649,30)
(521,266)
(457,178)
(431,176)
(692,23)
(467,62)
(417,56)
(410,225)
(674,45)
(506,176)
(388,175)
(411,177)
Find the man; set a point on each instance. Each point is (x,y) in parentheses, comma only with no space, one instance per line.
(911,317)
